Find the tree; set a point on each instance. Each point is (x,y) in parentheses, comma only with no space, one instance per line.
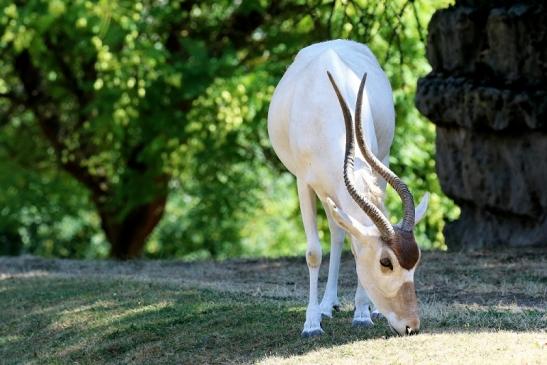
(104,83)
(126,98)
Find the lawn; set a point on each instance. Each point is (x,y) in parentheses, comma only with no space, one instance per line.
(485,307)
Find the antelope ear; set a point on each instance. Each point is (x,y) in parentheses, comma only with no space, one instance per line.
(419,211)
(350,224)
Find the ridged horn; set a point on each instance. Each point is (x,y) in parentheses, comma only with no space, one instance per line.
(385,228)
(400,187)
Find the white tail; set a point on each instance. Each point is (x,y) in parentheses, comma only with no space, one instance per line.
(314,121)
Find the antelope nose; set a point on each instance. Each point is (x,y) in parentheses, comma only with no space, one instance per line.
(412,331)
(412,326)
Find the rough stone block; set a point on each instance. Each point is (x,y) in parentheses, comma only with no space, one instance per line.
(480,228)
(506,43)
(468,104)
(455,37)
(487,94)
(503,172)
(517,44)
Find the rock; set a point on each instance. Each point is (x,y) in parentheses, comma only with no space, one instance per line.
(494,171)
(481,228)
(463,102)
(504,44)
(487,94)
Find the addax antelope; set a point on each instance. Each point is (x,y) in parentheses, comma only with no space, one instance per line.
(313,130)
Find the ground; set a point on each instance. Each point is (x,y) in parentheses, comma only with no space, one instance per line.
(483,307)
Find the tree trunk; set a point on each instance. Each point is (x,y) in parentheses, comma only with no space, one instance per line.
(128,236)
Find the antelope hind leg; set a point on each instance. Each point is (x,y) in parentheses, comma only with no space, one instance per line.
(307,197)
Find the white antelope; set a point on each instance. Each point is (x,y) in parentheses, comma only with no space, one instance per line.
(312,132)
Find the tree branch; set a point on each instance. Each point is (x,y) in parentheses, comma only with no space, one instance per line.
(13,97)
(395,33)
(45,112)
(83,98)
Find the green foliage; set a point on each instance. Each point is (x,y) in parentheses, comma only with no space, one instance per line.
(136,102)
(43,211)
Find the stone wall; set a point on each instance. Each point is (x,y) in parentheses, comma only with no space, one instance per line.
(487,95)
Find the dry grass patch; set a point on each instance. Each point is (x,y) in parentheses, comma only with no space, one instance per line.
(489,347)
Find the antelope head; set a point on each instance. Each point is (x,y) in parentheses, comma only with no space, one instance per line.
(386,255)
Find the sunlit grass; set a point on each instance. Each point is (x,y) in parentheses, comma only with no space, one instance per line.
(484,347)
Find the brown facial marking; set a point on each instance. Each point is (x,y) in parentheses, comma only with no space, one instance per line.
(405,248)
(405,302)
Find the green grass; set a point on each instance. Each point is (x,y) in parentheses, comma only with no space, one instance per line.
(488,308)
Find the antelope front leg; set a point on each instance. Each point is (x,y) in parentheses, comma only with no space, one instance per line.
(330,298)
(312,326)
(361,317)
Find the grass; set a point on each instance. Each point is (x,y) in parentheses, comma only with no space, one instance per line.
(485,307)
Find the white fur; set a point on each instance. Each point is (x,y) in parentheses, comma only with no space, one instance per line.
(307,131)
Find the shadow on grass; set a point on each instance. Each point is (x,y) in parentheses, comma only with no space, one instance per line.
(74,320)
(71,321)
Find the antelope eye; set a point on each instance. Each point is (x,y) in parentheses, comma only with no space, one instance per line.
(386,262)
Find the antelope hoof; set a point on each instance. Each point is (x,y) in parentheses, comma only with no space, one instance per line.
(312,333)
(362,323)
(376,315)
(312,326)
